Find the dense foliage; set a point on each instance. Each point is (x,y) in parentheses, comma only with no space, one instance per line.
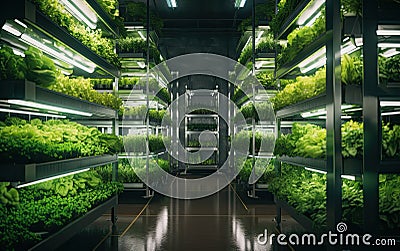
(389,68)
(299,38)
(303,88)
(138,45)
(309,141)
(93,39)
(267,44)
(264,142)
(37,141)
(48,206)
(137,143)
(12,67)
(8,195)
(83,88)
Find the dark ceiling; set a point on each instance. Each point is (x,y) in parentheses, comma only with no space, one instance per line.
(200,26)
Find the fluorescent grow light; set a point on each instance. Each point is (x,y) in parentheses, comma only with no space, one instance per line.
(32,113)
(314,61)
(390,103)
(349,177)
(390,113)
(311,14)
(314,170)
(141,35)
(52,178)
(389,45)
(321,112)
(81,11)
(390,53)
(240,3)
(47,107)
(344,176)
(38,44)
(172,3)
(388,32)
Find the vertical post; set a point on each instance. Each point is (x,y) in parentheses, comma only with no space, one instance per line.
(333,121)
(147,97)
(371,116)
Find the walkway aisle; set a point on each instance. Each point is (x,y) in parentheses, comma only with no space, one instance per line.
(219,222)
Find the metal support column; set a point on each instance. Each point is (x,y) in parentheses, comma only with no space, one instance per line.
(371,116)
(333,121)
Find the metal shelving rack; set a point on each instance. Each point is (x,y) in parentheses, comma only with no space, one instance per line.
(210,117)
(331,100)
(375,17)
(25,19)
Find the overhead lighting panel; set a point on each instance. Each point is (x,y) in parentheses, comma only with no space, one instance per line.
(172,3)
(240,3)
(47,107)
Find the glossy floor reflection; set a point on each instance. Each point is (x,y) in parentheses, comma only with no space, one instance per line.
(219,222)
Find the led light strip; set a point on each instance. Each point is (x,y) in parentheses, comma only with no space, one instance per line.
(344,176)
(56,54)
(47,107)
(32,113)
(52,178)
(81,11)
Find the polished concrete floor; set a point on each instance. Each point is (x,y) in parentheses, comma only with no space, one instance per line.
(223,221)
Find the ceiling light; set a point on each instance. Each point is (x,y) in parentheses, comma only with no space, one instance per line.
(172,3)
(240,3)
(47,107)
(52,178)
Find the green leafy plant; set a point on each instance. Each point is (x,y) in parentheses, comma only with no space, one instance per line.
(39,141)
(12,67)
(82,88)
(352,70)
(93,39)
(136,12)
(8,196)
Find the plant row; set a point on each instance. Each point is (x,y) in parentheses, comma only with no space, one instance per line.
(93,39)
(45,208)
(36,141)
(306,192)
(264,142)
(309,141)
(138,45)
(137,143)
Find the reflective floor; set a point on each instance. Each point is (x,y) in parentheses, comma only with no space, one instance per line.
(223,221)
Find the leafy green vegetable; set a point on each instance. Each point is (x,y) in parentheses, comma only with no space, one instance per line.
(39,141)
(40,69)
(12,67)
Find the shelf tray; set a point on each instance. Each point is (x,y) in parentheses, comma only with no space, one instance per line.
(28,13)
(292,18)
(351,166)
(302,106)
(29,91)
(305,53)
(31,172)
(304,221)
(77,225)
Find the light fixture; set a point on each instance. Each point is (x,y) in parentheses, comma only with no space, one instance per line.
(390,103)
(259,35)
(359,41)
(389,45)
(52,178)
(390,53)
(314,170)
(172,3)
(314,61)
(141,64)
(321,112)
(141,35)
(81,11)
(7,27)
(30,40)
(388,32)
(390,113)
(342,117)
(348,48)
(240,3)
(349,177)
(353,110)
(47,107)
(133,28)
(32,113)
(311,13)
(264,27)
